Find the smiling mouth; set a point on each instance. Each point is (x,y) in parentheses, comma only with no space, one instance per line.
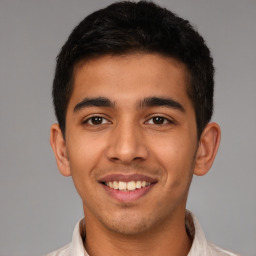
(127,186)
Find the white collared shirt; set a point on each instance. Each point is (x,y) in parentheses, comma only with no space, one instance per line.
(200,246)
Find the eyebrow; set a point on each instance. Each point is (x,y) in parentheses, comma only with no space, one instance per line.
(93,102)
(146,102)
(161,102)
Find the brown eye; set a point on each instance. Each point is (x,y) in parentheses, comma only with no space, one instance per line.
(96,120)
(158,120)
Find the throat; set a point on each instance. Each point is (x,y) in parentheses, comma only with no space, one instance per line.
(148,243)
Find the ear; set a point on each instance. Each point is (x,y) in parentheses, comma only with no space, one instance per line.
(207,149)
(58,145)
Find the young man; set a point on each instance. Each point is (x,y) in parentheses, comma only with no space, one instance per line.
(133,95)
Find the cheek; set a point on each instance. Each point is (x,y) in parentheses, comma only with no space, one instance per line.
(176,156)
(84,154)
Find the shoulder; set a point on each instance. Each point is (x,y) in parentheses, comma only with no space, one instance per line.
(64,251)
(215,250)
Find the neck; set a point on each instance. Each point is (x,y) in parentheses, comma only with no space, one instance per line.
(165,239)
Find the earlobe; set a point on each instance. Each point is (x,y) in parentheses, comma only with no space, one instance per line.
(207,149)
(58,145)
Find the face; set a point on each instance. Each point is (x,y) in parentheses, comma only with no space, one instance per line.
(131,140)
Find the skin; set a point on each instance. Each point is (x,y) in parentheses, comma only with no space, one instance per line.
(131,137)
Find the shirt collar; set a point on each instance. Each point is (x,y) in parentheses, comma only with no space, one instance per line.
(77,244)
(200,245)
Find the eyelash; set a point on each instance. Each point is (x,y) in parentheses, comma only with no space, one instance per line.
(102,120)
(162,118)
(89,120)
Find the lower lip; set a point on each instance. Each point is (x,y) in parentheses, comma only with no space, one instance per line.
(128,196)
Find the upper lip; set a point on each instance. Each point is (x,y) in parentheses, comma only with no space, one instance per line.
(127,178)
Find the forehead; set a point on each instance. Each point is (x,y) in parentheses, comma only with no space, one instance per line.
(130,77)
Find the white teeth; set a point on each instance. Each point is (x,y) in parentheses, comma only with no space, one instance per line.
(122,185)
(138,184)
(115,184)
(131,185)
(127,186)
(110,184)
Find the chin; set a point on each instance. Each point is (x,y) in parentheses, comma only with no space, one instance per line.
(130,224)
(128,228)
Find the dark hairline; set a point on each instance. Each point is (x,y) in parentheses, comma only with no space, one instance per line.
(120,31)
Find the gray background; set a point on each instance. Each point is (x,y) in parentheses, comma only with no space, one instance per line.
(39,207)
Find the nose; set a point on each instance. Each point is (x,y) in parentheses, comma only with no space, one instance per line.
(127,144)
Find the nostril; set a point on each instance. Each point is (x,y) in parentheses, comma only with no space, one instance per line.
(114,159)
